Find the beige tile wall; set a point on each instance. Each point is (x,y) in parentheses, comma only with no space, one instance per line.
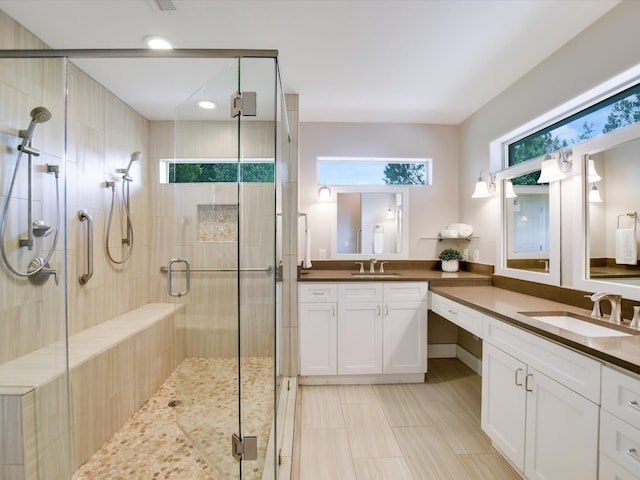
(209,327)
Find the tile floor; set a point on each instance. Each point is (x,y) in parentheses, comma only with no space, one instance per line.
(399,432)
(360,432)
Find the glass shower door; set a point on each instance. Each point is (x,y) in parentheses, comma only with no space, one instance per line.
(222,275)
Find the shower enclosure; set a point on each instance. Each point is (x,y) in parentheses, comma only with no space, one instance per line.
(205,202)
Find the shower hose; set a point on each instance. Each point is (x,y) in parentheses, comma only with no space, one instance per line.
(3,222)
(127,209)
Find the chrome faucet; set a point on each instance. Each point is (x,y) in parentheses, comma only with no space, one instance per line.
(616,306)
(372,267)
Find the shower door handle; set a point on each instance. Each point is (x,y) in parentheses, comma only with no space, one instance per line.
(85,277)
(187,272)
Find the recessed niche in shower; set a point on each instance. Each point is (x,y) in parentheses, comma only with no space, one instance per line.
(217,223)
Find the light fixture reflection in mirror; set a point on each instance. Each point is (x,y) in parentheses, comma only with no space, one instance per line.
(509,192)
(324,194)
(594,195)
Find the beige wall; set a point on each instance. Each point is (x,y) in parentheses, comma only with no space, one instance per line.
(431,207)
(601,51)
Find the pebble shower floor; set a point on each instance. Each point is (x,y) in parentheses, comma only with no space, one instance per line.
(152,446)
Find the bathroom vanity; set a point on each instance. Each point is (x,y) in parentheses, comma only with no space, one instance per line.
(555,403)
(363,332)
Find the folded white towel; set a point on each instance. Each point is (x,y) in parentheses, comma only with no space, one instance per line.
(449,233)
(463,229)
(626,246)
(306,263)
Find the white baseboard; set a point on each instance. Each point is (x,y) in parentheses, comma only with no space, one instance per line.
(469,360)
(441,350)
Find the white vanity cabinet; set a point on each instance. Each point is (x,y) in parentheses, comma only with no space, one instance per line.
(545,428)
(620,425)
(359,328)
(380,330)
(318,327)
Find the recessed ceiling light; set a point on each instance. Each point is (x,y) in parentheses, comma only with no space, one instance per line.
(206,104)
(155,42)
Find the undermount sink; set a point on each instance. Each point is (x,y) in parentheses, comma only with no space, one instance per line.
(374,275)
(575,323)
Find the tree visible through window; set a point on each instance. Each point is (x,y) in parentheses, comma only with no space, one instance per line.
(220,172)
(356,171)
(611,114)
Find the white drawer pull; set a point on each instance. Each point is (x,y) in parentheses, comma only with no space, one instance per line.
(633,454)
(634,404)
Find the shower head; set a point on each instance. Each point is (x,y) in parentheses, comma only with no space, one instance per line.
(40,115)
(41,229)
(135,156)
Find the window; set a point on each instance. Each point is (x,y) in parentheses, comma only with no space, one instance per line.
(352,171)
(218,170)
(605,116)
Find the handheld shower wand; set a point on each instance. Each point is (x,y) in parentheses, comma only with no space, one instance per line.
(35,228)
(126,205)
(135,156)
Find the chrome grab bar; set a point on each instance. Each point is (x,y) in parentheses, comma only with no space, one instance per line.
(84,215)
(187,270)
(269,269)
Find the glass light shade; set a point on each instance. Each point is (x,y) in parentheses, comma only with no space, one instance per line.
(508,190)
(592,175)
(594,195)
(550,172)
(324,194)
(482,190)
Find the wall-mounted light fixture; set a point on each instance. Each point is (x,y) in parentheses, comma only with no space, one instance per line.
(324,194)
(592,174)
(485,187)
(390,214)
(553,170)
(594,194)
(509,192)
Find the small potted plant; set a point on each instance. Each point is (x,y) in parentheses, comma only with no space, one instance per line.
(450,259)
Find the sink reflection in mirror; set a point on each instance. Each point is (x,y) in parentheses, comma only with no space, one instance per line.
(578,324)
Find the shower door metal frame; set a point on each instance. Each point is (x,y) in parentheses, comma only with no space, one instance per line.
(149,54)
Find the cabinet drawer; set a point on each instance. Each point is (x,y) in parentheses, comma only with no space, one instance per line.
(360,292)
(462,316)
(572,369)
(621,395)
(609,470)
(317,292)
(620,441)
(405,291)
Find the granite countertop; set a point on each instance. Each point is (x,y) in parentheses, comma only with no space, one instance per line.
(395,271)
(506,305)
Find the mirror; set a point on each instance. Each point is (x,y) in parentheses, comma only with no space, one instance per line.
(609,253)
(370,224)
(530,224)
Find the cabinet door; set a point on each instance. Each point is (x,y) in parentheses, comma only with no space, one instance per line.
(504,403)
(318,335)
(404,334)
(359,338)
(562,432)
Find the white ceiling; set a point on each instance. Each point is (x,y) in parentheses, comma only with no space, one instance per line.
(413,61)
